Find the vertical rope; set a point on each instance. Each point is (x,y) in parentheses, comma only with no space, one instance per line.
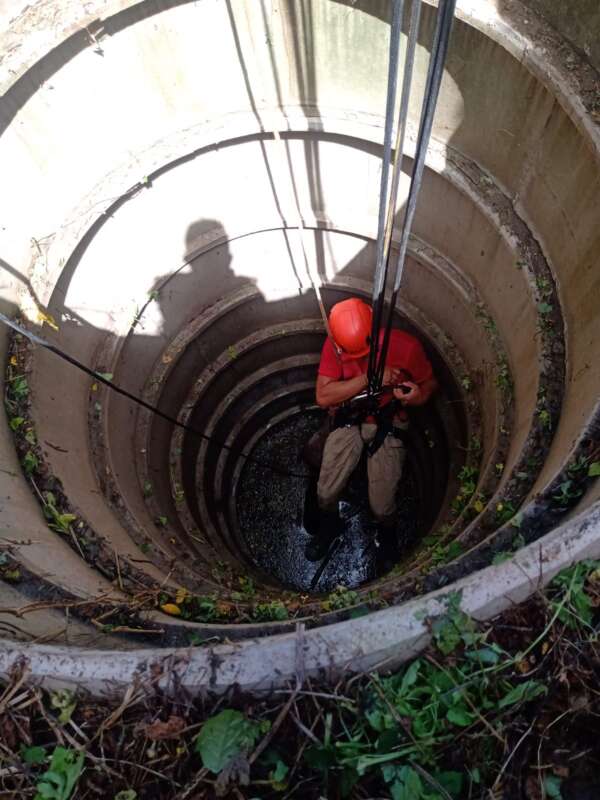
(439,51)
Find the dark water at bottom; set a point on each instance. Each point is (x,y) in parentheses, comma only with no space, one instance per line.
(270,511)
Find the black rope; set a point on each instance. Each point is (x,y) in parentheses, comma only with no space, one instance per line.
(101,379)
(382,259)
(445,18)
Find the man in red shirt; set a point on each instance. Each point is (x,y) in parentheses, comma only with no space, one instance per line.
(342,376)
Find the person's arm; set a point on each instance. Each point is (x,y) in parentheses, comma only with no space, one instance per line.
(332,392)
(419,393)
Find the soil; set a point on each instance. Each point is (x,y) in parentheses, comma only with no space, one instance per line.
(144,742)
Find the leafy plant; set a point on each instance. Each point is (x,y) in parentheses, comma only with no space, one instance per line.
(178,494)
(468,477)
(203,608)
(19,387)
(274,610)
(407,717)
(224,737)
(34,755)
(544,286)
(64,701)
(442,553)
(594,469)
(63,773)
(59,521)
(505,511)
(340,597)
(545,418)
(449,629)
(475,445)
(566,494)
(30,462)
(570,600)
(247,589)
(503,376)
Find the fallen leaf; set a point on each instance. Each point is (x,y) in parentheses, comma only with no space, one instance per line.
(13,361)
(181,596)
(171,608)
(164,730)
(48,319)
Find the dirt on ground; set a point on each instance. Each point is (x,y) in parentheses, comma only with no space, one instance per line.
(507,710)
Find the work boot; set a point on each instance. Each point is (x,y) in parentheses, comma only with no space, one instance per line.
(330,526)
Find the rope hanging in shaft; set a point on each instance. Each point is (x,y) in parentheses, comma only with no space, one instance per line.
(388,200)
(381,260)
(101,379)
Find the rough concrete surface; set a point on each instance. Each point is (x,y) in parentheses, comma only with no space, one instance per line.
(150,191)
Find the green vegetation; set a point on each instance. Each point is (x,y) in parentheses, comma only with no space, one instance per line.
(57,520)
(225,737)
(18,387)
(30,462)
(474,716)
(58,782)
(486,320)
(340,597)
(505,511)
(270,612)
(503,376)
(246,591)
(208,608)
(468,477)
(443,553)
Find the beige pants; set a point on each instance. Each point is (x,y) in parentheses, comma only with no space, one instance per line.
(342,453)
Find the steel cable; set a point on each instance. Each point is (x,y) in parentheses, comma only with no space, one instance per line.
(432,88)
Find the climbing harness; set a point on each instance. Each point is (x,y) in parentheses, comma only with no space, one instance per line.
(138,400)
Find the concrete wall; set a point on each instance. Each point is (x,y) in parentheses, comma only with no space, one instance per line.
(96,104)
(577,20)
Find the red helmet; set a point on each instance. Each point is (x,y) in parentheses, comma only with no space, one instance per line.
(350,324)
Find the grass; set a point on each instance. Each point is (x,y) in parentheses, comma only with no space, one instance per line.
(486,711)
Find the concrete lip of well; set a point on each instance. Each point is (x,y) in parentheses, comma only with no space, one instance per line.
(383,639)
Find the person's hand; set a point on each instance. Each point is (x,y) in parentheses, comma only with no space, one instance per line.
(391,376)
(412,398)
